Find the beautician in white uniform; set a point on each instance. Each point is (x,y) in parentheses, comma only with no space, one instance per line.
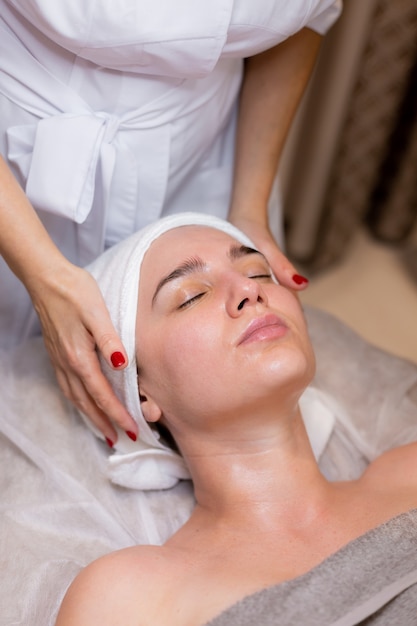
(112,117)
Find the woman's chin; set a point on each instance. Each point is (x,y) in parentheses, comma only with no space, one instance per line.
(293,366)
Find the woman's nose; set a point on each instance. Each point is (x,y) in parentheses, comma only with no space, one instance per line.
(244,292)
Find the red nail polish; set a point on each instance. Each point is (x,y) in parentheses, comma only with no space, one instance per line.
(299,280)
(117,359)
(131,435)
(109,442)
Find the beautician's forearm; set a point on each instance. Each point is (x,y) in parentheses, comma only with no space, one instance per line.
(72,312)
(24,242)
(273,84)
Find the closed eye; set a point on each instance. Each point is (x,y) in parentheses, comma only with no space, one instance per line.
(187,303)
(257,276)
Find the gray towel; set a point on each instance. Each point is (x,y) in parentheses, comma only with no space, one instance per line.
(372,580)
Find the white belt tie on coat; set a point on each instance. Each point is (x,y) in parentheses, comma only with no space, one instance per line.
(60,176)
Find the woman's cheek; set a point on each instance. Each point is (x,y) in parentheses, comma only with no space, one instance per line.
(193,341)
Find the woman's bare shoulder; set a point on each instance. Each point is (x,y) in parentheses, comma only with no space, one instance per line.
(395,469)
(116,588)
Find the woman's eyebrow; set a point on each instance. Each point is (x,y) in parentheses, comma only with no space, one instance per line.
(194,264)
(238,251)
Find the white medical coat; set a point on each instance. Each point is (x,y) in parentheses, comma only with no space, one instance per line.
(111,117)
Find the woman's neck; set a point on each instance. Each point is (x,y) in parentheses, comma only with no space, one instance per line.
(256,478)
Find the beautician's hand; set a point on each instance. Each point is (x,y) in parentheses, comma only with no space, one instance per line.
(71,309)
(75,322)
(273,84)
(262,237)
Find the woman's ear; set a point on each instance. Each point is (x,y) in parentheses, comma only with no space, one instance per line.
(150,409)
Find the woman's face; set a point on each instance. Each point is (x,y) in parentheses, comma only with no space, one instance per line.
(215,333)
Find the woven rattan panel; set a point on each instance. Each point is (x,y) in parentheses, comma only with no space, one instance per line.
(376,102)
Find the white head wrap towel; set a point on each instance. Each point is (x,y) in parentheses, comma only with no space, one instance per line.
(149,463)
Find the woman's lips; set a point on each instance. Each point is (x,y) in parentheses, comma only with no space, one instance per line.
(266,327)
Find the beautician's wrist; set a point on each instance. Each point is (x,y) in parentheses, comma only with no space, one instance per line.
(52,272)
(257,216)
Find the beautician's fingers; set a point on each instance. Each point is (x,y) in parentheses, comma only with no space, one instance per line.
(75,322)
(74,391)
(283,269)
(83,383)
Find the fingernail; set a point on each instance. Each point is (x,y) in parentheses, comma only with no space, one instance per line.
(299,280)
(109,442)
(131,435)
(117,359)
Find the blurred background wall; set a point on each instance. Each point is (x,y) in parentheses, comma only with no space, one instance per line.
(349,177)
